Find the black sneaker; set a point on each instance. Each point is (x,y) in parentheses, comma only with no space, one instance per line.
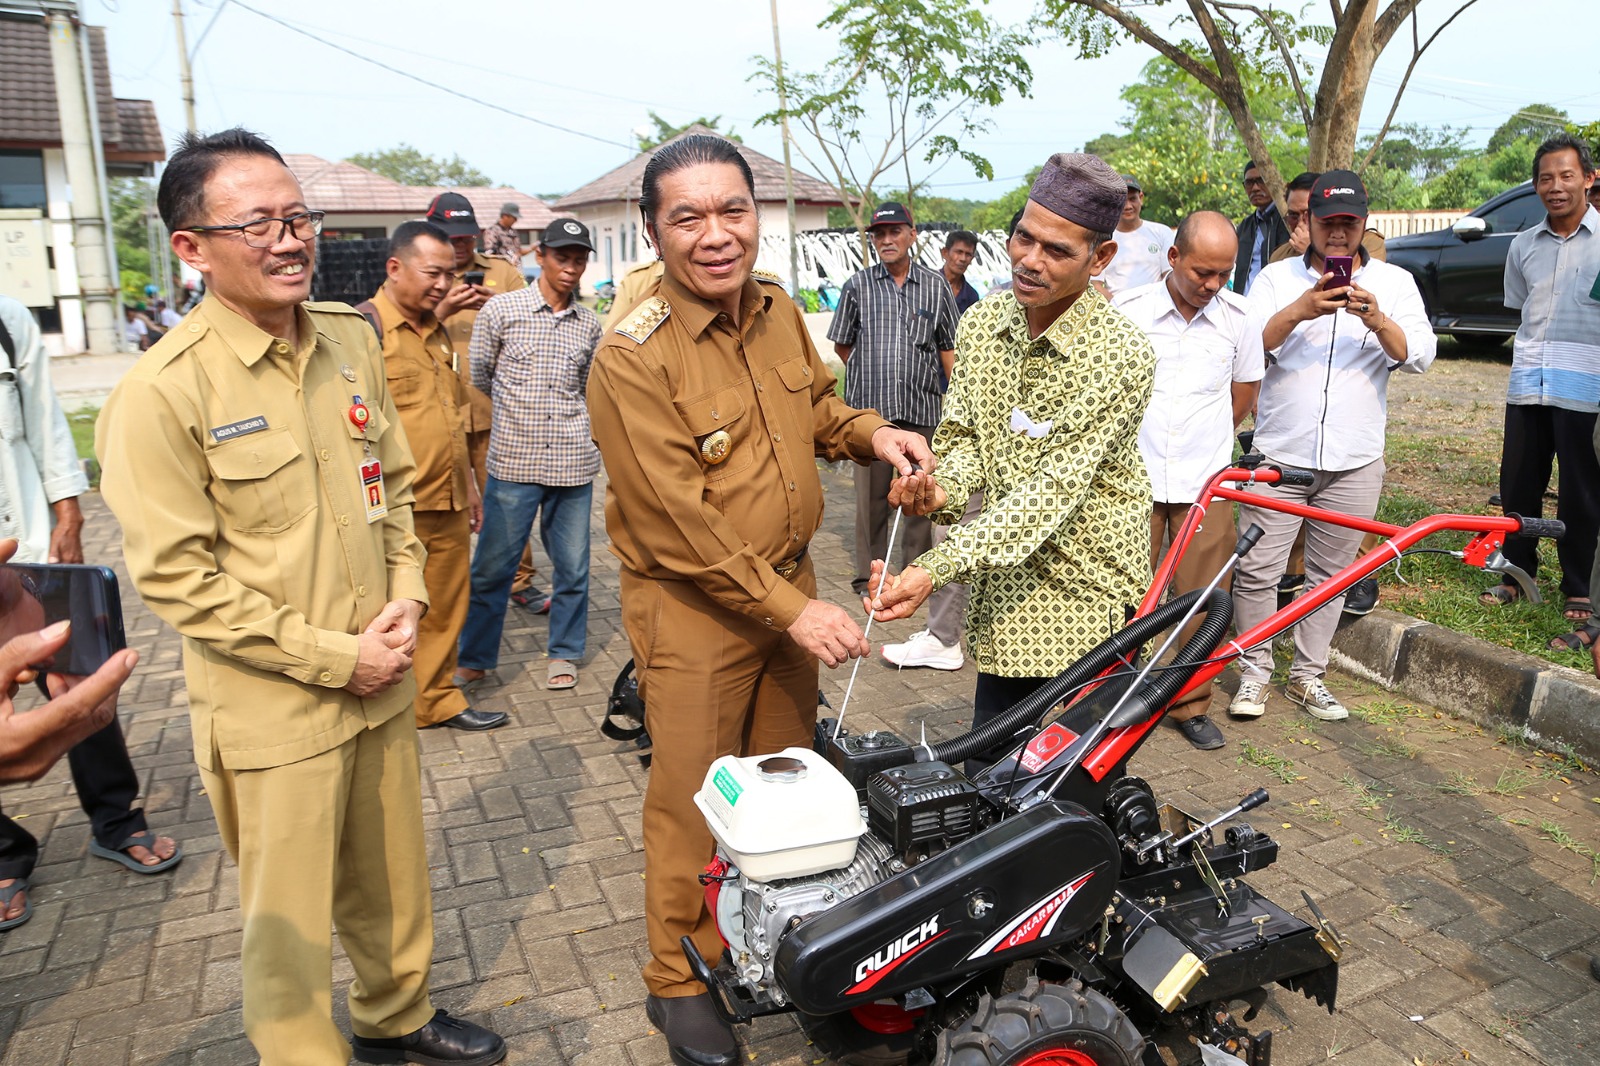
(695,1033)
(1362,597)
(1202,732)
(1291,583)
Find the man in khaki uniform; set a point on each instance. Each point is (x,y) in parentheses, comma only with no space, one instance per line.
(453,214)
(254,459)
(432,400)
(636,285)
(710,406)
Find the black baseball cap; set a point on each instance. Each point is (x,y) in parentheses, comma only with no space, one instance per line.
(1132,182)
(890,213)
(566,233)
(452,212)
(1339,194)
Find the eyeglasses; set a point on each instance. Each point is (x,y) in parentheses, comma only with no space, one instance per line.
(1292,218)
(1255,183)
(260,233)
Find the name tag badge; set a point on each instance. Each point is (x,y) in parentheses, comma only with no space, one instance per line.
(241,428)
(372,487)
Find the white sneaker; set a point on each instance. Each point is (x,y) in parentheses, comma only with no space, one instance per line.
(1250,701)
(925,649)
(1314,696)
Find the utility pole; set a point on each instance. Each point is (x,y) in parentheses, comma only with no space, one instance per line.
(184,73)
(788,170)
(75,102)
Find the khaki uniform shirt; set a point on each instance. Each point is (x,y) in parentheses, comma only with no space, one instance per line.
(636,285)
(1062,545)
(433,403)
(498,276)
(232,463)
(669,378)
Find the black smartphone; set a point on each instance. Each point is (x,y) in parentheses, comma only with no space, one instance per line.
(473,277)
(1341,267)
(42,594)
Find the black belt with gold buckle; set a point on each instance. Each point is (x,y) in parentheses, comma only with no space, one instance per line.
(787,570)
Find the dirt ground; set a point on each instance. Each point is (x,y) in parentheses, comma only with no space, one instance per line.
(1445,429)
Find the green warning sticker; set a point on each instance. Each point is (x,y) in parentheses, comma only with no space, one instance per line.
(731,790)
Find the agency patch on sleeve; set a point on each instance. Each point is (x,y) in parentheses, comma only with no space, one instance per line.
(243,427)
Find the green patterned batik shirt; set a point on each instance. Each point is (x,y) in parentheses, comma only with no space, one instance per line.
(1049,430)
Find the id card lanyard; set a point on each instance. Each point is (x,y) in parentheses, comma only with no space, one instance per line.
(369,467)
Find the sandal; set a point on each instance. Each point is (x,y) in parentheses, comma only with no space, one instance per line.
(143,838)
(9,893)
(1577,609)
(1580,639)
(560,668)
(1499,596)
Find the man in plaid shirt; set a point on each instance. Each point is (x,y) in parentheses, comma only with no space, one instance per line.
(531,352)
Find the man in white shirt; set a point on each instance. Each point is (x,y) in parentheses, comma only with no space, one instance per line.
(1208,370)
(1330,350)
(1141,247)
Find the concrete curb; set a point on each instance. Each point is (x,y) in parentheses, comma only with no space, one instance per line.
(1479,681)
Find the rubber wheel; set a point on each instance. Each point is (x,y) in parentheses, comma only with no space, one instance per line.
(843,1039)
(1043,1025)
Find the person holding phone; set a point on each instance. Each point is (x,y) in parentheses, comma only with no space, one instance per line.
(1334,323)
(40,482)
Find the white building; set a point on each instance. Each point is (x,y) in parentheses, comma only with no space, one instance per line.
(609,206)
(38,264)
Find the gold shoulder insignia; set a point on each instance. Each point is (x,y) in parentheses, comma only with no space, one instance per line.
(767,276)
(644,319)
(330,305)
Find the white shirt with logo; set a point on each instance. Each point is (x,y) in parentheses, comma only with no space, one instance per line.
(1141,257)
(1187,434)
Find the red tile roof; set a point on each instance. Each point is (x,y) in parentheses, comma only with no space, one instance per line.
(28,112)
(345,188)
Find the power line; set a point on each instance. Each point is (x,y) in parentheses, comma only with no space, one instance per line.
(432,85)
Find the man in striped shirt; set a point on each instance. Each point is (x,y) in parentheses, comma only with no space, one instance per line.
(531,352)
(895,331)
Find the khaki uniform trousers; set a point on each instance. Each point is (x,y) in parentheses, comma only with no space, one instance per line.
(714,683)
(1297,554)
(447,574)
(1208,550)
(333,840)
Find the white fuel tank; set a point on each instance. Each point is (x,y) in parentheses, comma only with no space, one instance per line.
(784,815)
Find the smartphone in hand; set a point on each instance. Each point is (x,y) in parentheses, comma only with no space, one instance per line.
(1342,267)
(473,277)
(36,595)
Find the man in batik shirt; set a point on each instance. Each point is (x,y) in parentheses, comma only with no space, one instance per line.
(1043,413)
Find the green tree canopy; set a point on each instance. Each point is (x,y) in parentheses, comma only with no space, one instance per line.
(1535,121)
(409,166)
(911,81)
(665,131)
(1183,150)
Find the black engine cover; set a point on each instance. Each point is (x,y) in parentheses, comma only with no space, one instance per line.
(921,808)
(1031,882)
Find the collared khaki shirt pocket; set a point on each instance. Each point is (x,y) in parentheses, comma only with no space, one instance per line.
(407,385)
(262,482)
(721,412)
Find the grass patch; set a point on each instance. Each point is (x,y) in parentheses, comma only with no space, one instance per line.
(1386,712)
(81,422)
(1366,797)
(1407,834)
(1512,782)
(1389,747)
(1558,836)
(1270,761)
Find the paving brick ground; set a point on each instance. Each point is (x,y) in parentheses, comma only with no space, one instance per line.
(1460,866)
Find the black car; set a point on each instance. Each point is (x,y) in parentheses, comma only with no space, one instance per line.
(1461,270)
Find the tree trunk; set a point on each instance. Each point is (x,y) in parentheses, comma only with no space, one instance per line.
(1336,115)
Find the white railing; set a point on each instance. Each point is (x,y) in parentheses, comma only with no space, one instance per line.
(836,256)
(1403,223)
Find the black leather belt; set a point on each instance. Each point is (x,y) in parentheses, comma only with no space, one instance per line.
(787,570)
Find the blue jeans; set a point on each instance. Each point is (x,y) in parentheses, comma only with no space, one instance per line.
(508,512)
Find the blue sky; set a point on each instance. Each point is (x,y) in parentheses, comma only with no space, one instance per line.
(597,68)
